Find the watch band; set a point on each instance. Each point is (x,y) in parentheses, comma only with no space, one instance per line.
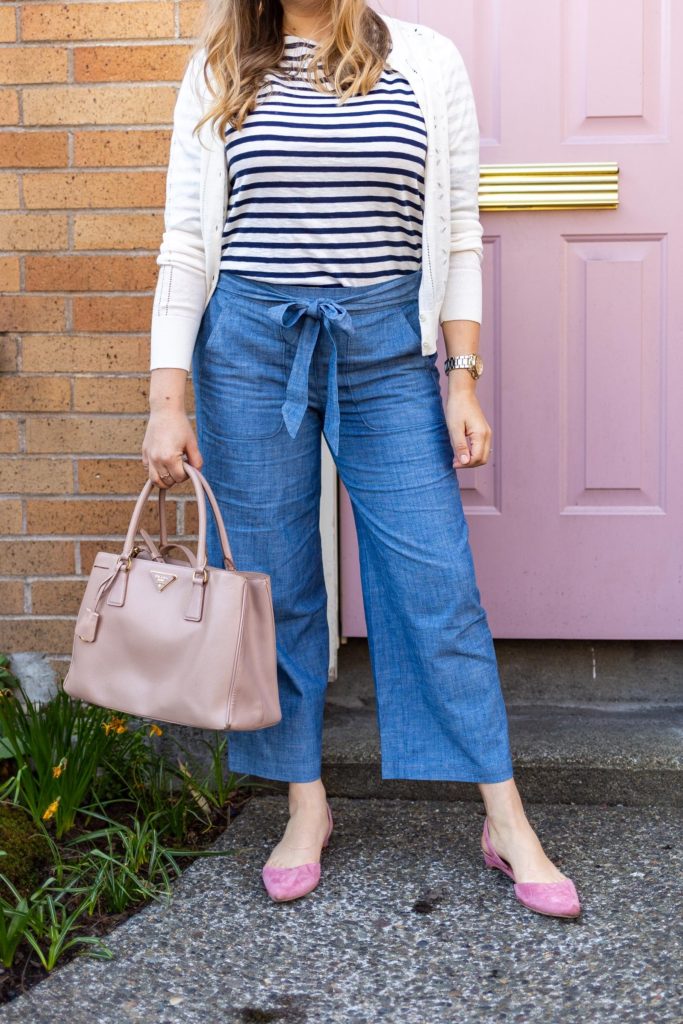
(459,362)
(472,362)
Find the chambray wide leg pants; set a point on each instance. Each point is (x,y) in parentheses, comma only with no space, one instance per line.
(273,366)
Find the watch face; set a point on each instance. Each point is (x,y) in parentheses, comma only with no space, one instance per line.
(478,365)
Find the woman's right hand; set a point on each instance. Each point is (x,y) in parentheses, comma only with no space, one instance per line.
(168,437)
(169,434)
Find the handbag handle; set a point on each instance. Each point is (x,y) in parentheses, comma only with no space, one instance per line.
(202,491)
(222,532)
(190,555)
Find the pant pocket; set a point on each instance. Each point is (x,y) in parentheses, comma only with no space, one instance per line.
(392,385)
(242,374)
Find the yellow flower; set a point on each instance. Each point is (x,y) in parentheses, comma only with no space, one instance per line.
(154,730)
(116,723)
(51,809)
(59,768)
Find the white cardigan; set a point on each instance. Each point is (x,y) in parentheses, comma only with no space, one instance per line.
(197,197)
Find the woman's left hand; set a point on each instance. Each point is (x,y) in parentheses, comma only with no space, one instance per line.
(469,430)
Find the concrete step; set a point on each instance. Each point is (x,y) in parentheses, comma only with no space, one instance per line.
(590,723)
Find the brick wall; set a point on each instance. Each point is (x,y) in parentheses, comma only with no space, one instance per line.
(86,102)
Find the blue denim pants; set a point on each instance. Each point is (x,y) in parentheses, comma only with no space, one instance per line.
(273,366)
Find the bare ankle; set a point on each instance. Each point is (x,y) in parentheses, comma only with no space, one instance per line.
(504,819)
(306,795)
(503,803)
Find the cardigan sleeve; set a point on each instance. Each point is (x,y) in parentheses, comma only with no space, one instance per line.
(180,292)
(463,295)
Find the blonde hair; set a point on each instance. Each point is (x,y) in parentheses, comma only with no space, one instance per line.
(243,40)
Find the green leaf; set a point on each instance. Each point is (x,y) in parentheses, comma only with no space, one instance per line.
(6,749)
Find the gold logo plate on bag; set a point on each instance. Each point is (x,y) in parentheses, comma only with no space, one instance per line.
(162,579)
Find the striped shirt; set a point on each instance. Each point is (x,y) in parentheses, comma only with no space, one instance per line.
(322,192)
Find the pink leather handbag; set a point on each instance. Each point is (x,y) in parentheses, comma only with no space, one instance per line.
(174,640)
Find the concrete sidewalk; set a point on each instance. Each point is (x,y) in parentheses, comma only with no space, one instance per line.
(406,926)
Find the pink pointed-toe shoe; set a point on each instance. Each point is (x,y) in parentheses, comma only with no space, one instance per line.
(557,899)
(290,883)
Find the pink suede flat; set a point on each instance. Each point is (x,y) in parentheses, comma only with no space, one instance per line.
(290,883)
(557,899)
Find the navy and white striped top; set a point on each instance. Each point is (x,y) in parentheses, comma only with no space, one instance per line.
(325,193)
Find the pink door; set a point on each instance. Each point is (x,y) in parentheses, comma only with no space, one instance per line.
(577,522)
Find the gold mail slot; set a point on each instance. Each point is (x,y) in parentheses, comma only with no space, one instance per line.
(572,186)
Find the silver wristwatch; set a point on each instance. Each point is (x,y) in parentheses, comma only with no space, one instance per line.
(472,362)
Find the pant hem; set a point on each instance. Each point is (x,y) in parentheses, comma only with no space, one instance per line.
(277,774)
(445,774)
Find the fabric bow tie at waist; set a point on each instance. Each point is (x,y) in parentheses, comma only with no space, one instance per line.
(319,314)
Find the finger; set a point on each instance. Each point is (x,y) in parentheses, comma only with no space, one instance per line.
(477,440)
(168,479)
(194,456)
(158,474)
(171,470)
(461,449)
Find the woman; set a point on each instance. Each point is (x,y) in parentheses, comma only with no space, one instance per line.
(313,244)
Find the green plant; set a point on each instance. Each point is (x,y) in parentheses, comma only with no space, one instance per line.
(7,677)
(58,748)
(7,681)
(215,787)
(178,796)
(44,921)
(15,916)
(52,928)
(133,866)
(74,764)
(152,786)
